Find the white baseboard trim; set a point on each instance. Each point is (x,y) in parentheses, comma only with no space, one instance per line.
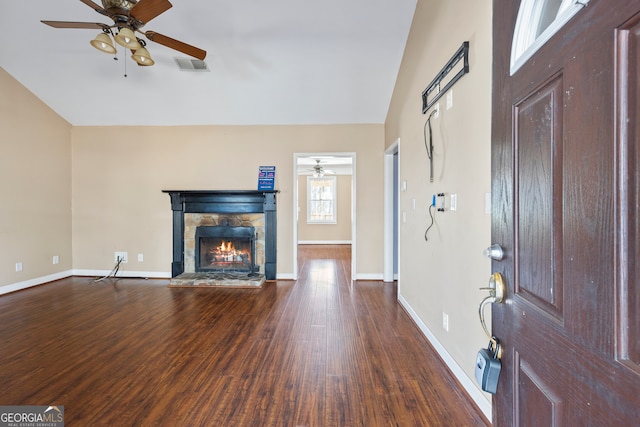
(364,276)
(125,273)
(34,282)
(369,276)
(468,383)
(13,287)
(324,242)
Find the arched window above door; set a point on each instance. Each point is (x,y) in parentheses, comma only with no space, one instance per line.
(537,21)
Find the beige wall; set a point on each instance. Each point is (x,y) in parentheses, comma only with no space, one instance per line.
(444,273)
(119,173)
(111,178)
(35,184)
(340,231)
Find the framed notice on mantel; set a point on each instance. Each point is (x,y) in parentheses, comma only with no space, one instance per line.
(266,178)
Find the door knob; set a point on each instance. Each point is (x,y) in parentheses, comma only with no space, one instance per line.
(495,252)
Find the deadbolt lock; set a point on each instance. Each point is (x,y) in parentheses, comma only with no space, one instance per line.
(496,288)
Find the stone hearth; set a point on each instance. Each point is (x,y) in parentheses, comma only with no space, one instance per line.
(230,280)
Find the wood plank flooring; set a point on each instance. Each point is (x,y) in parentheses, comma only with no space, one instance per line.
(320,351)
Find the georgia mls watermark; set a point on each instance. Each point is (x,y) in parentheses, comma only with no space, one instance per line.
(31,416)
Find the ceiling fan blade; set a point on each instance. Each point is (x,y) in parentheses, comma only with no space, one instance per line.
(146,10)
(177,45)
(94,6)
(67,24)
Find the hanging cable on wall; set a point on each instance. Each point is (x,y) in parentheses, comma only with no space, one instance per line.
(432,208)
(429,146)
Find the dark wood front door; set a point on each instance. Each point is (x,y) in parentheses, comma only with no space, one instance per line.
(566,194)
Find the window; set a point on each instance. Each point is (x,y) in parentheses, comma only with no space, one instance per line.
(321,200)
(537,21)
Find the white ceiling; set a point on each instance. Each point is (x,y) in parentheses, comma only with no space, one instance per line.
(271,62)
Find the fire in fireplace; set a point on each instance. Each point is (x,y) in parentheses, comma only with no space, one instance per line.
(225,249)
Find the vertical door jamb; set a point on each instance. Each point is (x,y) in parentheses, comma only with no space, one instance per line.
(389,207)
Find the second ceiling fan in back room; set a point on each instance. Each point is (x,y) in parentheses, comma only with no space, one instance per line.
(318,170)
(129,16)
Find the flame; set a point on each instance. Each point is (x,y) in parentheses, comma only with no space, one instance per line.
(226,253)
(226,247)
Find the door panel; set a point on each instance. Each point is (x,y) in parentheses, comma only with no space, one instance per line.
(538,162)
(566,195)
(533,391)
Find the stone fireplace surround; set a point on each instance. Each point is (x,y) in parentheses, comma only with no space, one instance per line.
(208,204)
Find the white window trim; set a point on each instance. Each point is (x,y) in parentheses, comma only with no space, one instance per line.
(525,43)
(335,200)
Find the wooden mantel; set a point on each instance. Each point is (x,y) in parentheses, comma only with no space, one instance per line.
(224,202)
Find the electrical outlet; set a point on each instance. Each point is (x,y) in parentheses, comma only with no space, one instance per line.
(120,256)
(436,112)
(441,200)
(140,257)
(445,321)
(56,259)
(450,98)
(18,266)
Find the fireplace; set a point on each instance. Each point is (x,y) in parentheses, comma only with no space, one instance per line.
(231,208)
(225,249)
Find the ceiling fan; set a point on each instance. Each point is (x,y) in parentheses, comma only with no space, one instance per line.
(319,171)
(129,16)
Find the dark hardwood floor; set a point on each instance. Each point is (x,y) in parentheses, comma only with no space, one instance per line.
(320,351)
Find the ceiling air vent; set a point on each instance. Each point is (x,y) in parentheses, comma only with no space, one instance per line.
(189,64)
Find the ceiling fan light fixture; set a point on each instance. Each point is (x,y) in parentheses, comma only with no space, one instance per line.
(318,170)
(103,43)
(142,57)
(127,38)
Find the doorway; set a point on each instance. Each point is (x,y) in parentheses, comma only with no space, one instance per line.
(391,212)
(341,167)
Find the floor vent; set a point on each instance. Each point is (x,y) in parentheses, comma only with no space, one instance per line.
(189,64)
